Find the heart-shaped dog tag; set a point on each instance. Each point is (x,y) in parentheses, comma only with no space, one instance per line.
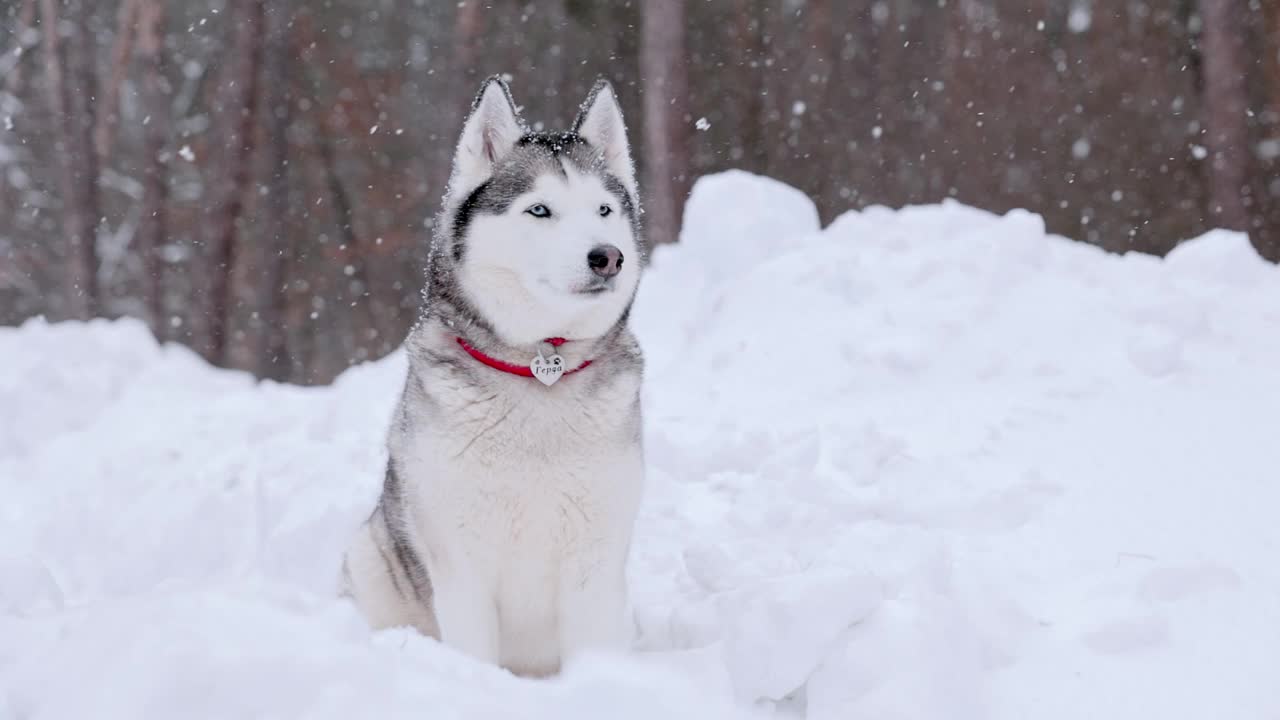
(547,369)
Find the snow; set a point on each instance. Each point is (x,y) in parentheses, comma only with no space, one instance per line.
(927,463)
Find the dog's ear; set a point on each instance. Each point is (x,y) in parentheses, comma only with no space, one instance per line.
(491,131)
(600,123)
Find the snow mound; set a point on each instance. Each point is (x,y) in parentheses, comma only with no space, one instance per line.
(927,463)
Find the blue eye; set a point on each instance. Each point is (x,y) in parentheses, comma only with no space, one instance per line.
(539,211)
(605,211)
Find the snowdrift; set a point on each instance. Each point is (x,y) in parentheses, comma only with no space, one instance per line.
(928,463)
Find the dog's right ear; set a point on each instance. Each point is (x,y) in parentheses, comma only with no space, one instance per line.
(600,123)
(491,131)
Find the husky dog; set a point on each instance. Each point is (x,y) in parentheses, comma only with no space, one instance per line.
(515,466)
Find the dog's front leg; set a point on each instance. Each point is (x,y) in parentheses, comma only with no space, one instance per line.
(468,616)
(593,600)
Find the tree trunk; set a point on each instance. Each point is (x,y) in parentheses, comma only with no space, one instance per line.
(749,54)
(664,74)
(822,142)
(1266,231)
(241,106)
(13,76)
(273,299)
(127,21)
(71,85)
(12,71)
(154,228)
(468,29)
(1227,132)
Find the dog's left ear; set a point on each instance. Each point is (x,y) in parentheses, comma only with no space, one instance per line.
(491,131)
(600,123)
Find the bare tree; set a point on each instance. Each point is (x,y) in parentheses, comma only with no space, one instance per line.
(666,134)
(468,29)
(274,251)
(748,58)
(1266,231)
(12,71)
(241,103)
(1226,102)
(71,86)
(821,139)
(108,114)
(155,100)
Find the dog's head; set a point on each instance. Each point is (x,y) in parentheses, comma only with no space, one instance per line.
(541,230)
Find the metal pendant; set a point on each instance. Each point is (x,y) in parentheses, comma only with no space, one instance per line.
(547,369)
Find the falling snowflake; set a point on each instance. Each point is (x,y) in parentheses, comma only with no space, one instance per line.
(1199,152)
(798,108)
(702,124)
(1080,19)
(8,122)
(187,154)
(1081,148)
(876,132)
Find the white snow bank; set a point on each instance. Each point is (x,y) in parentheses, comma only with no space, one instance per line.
(929,463)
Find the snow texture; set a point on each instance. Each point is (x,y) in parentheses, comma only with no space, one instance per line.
(928,463)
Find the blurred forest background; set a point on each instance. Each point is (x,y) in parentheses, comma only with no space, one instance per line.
(256,178)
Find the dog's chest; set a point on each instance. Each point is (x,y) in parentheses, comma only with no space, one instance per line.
(531,467)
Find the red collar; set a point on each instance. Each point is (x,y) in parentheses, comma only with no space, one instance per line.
(506,367)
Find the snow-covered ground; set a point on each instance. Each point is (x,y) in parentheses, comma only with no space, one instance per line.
(929,463)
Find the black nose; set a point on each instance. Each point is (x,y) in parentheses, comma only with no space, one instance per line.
(605,260)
